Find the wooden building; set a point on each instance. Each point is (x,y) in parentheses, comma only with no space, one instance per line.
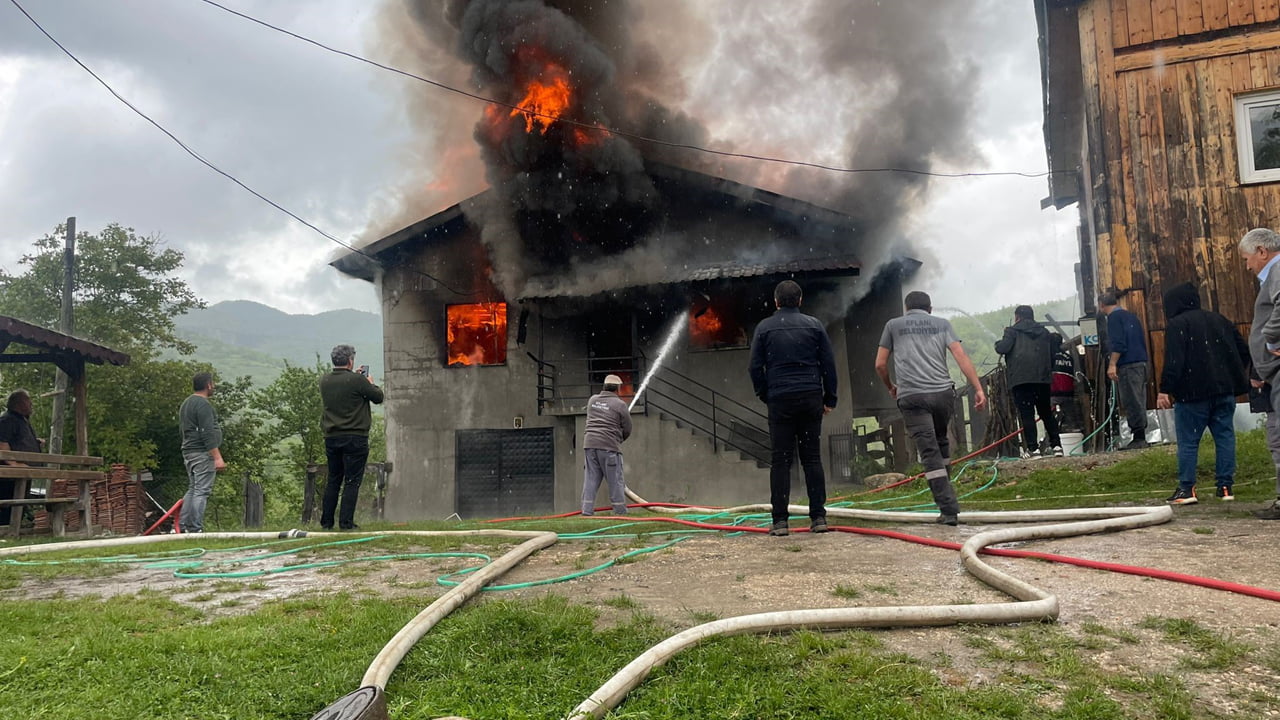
(1162,120)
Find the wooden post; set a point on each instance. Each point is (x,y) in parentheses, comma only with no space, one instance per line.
(65,325)
(81,397)
(253,501)
(309,494)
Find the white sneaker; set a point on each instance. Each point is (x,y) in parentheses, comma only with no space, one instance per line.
(1057,451)
(1032,455)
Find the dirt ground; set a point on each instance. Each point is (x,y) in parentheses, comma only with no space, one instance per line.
(709,577)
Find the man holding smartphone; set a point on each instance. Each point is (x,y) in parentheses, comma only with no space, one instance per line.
(346,396)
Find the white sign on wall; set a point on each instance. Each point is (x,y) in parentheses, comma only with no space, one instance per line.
(1089,331)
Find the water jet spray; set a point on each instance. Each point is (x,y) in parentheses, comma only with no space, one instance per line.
(676,328)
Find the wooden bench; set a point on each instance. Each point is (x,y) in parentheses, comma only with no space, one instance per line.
(50,468)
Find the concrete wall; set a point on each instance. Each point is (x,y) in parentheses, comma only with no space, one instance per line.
(665,463)
(428,402)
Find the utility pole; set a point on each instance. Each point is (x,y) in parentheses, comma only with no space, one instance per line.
(65,325)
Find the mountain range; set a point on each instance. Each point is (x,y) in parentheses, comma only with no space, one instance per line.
(241,337)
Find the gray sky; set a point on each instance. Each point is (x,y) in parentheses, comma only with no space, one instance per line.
(329,139)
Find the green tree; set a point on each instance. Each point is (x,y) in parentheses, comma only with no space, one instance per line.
(293,401)
(126,295)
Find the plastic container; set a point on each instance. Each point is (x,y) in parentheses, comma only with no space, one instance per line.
(1071,443)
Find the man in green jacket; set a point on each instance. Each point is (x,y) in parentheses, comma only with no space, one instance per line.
(201,436)
(346,396)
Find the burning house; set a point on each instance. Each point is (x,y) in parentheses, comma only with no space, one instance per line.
(504,312)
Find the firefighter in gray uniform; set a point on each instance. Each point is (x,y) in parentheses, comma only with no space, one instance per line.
(608,426)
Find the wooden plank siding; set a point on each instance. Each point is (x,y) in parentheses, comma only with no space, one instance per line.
(1168,205)
(1190,16)
(1164,19)
(1139,13)
(1139,22)
(1266,10)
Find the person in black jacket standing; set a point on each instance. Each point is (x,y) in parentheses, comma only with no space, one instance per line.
(1204,370)
(793,370)
(1028,354)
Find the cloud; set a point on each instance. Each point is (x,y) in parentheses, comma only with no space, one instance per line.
(337,141)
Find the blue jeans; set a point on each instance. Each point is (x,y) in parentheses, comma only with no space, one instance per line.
(200,473)
(1191,419)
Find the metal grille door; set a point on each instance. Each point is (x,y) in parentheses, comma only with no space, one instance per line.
(504,472)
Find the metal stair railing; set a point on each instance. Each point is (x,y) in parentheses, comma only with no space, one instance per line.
(726,421)
(729,423)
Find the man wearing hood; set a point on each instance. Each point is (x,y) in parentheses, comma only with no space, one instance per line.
(1204,370)
(1028,354)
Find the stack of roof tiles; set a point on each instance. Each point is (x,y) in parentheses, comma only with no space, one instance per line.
(116,503)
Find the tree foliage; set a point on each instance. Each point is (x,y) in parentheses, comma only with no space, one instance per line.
(293,400)
(126,295)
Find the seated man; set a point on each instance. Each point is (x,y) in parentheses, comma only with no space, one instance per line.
(16,435)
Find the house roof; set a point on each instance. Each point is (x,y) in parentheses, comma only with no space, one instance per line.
(452,219)
(1062,89)
(24,333)
(833,266)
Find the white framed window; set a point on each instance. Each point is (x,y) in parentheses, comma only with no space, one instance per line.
(1258,136)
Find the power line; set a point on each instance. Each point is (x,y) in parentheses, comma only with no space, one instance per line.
(608,130)
(209,164)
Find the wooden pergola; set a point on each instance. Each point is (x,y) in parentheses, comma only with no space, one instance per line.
(70,354)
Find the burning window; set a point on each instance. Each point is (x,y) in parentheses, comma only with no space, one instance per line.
(476,334)
(715,324)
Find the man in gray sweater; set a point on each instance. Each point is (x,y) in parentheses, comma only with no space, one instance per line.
(608,426)
(201,436)
(1260,249)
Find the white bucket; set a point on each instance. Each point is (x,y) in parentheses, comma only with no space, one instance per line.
(1071,443)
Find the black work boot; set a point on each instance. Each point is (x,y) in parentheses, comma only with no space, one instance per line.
(818,525)
(779,529)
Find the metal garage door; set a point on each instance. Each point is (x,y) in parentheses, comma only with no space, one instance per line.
(504,472)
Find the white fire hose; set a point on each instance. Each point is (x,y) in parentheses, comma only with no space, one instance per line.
(1033,604)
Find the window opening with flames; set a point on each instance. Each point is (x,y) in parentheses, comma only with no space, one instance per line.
(476,334)
(717,324)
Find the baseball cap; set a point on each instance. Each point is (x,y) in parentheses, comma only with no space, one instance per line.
(613,380)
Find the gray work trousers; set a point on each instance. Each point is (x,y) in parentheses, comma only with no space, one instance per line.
(927,416)
(1273,433)
(200,474)
(1131,387)
(607,465)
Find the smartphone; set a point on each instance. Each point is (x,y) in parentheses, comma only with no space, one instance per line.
(363,370)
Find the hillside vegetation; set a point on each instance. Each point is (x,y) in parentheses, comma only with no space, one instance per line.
(240,337)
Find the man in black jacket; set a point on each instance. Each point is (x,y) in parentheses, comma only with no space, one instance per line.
(1028,355)
(346,396)
(793,370)
(1204,371)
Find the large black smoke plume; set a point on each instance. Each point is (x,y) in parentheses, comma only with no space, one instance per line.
(570,204)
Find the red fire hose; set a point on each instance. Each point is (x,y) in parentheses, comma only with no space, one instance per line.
(1139,570)
(172,512)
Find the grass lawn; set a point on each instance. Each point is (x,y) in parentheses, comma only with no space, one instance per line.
(147,654)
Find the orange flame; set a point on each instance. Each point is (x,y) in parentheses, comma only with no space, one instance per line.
(545,102)
(707,329)
(707,324)
(476,334)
